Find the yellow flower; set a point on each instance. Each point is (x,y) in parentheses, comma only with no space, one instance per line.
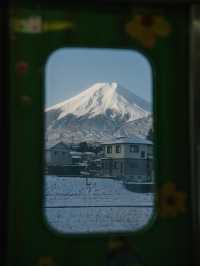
(46,261)
(115,244)
(171,202)
(146,28)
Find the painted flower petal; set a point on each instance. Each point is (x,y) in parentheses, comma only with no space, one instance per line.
(171,202)
(161,27)
(22,67)
(168,188)
(181,199)
(115,244)
(140,33)
(46,261)
(146,28)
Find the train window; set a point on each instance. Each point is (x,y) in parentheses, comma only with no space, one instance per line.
(99,212)
(98,98)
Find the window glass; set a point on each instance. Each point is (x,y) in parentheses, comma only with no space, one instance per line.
(118,148)
(109,149)
(98,114)
(134,148)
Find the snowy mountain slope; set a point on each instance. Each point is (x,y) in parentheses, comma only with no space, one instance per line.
(96,113)
(102,97)
(139,127)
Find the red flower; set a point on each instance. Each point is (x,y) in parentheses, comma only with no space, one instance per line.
(22,67)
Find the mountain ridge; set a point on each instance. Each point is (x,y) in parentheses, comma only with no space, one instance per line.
(97,112)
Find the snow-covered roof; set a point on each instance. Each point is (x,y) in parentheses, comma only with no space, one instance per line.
(75,153)
(49,146)
(83,164)
(124,140)
(75,145)
(58,145)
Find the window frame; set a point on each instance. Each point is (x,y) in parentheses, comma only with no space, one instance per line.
(134,148)
(109,149)
(118,148)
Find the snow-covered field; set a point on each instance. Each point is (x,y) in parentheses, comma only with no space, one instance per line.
(77,205)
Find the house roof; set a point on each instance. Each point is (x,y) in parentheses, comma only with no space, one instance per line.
(76,157)
(75,153)
(58,145)
(125,140)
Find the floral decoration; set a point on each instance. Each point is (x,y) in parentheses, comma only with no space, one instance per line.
(26,99)
(22,67)
(46,261)
(32,24)
(147,28)
(120,250)
(170,201)
(35,24)
(115,243)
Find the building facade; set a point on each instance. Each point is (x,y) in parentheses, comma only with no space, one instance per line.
(128,158)
(58,154)
(76,157)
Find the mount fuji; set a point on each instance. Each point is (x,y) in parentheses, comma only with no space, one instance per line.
(100,112)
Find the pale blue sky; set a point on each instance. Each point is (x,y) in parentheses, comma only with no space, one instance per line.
(72,70)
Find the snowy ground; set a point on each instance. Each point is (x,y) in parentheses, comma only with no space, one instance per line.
(73,205)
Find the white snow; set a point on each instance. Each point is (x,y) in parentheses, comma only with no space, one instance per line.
(76,205)
(101,97)
(134,140)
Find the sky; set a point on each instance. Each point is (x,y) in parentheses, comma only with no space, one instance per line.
(69,71)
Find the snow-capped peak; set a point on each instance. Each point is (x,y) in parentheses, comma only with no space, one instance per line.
(104,98)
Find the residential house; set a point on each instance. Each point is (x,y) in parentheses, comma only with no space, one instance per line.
(128,158)
(88,156)
(76,157)
(58,154)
